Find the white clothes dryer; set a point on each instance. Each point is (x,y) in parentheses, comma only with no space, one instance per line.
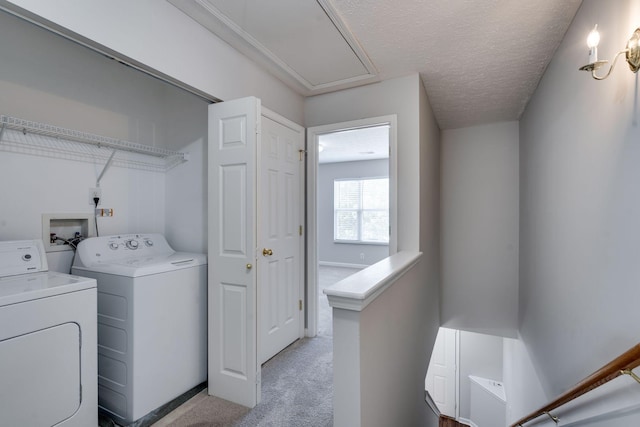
(48,373)
(152,321)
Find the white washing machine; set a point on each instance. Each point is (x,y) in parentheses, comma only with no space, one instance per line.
(152,321)
(47,341)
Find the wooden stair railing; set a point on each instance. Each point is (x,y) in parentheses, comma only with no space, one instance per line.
(621,365)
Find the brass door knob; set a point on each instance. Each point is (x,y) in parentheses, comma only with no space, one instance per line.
(249,266)
(267,252)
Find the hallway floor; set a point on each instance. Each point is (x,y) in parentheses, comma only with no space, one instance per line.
(297,384)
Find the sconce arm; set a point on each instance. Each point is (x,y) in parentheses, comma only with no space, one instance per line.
(593,72)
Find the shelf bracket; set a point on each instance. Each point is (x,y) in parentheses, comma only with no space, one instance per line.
(106,166)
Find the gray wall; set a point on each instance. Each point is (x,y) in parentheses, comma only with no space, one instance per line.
(52,80)
(401,98)
(480,229)
(579,206)
(418,212)
(171,43)
(188,53)
(521,381)
(345,253)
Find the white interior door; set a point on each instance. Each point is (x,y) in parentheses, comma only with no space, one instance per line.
(280,256)
(234,371)
(441,374)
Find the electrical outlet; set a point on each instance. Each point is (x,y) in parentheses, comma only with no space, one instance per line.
(95,192)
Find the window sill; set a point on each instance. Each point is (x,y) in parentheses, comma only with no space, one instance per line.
(357,242)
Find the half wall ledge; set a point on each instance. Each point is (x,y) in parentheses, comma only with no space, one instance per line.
(361,289)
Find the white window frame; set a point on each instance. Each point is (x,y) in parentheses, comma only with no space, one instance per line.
(360,210)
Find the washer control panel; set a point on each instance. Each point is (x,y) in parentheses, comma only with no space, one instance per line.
(105,248)
(130,242)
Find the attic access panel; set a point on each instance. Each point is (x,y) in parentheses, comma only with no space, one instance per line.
(304,43)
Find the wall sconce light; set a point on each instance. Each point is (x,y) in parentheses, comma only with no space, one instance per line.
(632,53)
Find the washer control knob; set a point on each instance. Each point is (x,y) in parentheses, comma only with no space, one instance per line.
(132,244)
(113,245)
(148,242)
(26,257)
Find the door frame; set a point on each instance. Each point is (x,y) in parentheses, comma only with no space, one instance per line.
(312,202)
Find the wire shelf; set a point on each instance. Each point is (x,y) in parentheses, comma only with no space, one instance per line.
(29,137)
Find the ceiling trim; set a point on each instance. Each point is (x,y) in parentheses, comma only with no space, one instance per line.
(228,30)
(253,42)
(342,28)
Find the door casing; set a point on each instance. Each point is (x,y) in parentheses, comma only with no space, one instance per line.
(312,196)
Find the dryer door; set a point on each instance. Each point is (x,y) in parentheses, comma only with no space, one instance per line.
(40,376)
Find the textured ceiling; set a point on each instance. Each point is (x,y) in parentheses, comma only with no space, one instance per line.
(480,60)
(352,145)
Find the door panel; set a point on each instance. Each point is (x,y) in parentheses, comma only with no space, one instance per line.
(441,375)
(234,302)
(280,207)
(233,188)
(234,373)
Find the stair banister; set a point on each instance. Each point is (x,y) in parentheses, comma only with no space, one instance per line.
(621,365)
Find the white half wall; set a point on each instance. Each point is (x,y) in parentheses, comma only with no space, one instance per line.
(480,190)
(379,353)
(393,354)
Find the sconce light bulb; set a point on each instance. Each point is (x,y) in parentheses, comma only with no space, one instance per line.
(593,40)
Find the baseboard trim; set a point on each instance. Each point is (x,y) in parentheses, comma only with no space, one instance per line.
(341,264)
(466,421)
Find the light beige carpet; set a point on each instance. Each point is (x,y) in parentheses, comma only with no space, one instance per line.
(297,386)
(211,411)
(297,391)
